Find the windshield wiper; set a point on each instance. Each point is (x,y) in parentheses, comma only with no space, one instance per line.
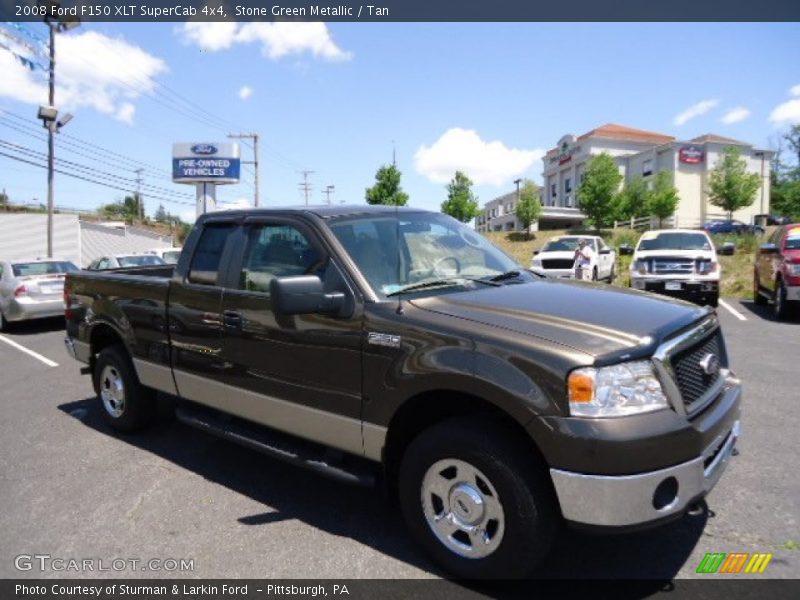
(505,276)
(438,283)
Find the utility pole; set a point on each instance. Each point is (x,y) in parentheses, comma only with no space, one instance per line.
(394,155)
(305,185)
(139,199)
(254,162)
(328,191)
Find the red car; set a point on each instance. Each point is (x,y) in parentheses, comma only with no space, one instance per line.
(776,274)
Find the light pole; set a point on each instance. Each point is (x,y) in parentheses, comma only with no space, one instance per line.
(49,114)
(761,154)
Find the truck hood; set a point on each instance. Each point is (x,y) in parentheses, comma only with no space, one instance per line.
(597,320)
(688,254)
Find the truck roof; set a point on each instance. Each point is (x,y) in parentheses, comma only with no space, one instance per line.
(324,211)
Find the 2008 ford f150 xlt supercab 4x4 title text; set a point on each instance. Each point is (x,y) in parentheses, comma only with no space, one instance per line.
(365,341)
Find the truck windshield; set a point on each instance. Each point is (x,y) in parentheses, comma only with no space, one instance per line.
(674,241)
(431,247)
(561,245)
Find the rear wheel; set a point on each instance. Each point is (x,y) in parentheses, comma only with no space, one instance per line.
(612,275)
(477,500)
(125,403)
(3,322)
(781,309)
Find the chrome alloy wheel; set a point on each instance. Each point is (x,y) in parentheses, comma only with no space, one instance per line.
(112,391)
(462,508)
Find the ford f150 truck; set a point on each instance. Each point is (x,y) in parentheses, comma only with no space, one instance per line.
(776,270)
(392,344)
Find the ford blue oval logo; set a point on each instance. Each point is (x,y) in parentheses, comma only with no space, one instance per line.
(204,149)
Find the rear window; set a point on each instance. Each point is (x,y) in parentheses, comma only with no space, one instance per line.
(674,241)
(141,260)
(43,268)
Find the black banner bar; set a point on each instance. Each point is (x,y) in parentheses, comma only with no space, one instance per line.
(399,10)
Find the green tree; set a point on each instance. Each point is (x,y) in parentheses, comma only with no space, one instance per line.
(730,186)
(161,216)
(785,177)
(598,190)
(3,199)
(632,201)
(126,209)
(529,208)
(663,199)
(387,188)
(461,203)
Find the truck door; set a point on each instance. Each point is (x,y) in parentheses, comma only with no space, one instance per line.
(194,312)
(300,374)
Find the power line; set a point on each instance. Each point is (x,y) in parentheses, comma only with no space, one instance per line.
(305,185)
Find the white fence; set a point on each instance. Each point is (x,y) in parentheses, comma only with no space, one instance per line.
(647,223)
(24,236)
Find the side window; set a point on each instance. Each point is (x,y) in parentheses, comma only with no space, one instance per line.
(205,262)
(103,264)
(277,250)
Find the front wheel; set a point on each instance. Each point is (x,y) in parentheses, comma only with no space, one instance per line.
(125,403)
(477,500)
(3,322)
(713,299)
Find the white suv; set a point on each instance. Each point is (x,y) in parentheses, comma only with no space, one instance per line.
(677,262)
(557,258)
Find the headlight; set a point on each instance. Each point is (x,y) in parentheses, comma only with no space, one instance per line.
(639,266)
(794,270)
(537,262)
(706,267)
(625,389)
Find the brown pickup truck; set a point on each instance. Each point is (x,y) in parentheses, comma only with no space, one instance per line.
(373,343)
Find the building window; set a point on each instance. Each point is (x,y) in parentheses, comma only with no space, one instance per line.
(647,167)
(567,185)
(553,190)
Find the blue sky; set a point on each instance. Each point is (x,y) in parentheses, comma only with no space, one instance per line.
(486,98)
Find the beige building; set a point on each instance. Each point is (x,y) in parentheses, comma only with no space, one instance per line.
(640,153)
(499,215)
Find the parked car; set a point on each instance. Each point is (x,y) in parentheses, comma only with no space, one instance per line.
(733,226)
(677,262)
(557,258)
(118,261)
(776,273)
(773,219)
(169,255)
(494,403)
(32,289)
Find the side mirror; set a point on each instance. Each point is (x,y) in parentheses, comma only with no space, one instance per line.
(535,252)
(768,249)
(304,295)
(728,249)
(625,250)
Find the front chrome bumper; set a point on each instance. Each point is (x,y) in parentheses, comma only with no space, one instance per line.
(630,500)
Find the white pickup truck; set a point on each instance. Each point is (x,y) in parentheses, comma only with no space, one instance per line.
(677,262)
(557,258)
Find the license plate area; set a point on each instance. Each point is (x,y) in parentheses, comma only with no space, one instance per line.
(673,285)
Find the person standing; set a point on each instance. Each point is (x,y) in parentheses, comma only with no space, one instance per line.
(583,260)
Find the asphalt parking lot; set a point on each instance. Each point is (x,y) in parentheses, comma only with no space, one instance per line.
(72,488)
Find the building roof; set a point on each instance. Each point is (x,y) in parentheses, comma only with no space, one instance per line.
(622,132)
(717,139)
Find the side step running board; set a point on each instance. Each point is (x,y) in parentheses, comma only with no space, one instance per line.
(332,463)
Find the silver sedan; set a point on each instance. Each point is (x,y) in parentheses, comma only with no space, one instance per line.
(32,289)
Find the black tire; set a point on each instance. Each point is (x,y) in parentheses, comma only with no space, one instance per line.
(4,325)
(781,307)
(509,467)
(758,298)
(613,274)
(713,299)
(131,408)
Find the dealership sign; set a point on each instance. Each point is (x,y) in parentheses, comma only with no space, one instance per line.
(205,163)
(691,155)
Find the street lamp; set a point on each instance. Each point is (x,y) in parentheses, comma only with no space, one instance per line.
(49,114)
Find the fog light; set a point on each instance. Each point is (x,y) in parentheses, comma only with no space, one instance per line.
(666,493)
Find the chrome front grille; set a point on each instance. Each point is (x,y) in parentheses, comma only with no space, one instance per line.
(690,375)
(672,266)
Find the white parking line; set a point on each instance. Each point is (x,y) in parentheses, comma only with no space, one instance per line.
(29,352)
(732,310)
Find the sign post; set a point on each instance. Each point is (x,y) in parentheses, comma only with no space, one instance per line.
(206,165)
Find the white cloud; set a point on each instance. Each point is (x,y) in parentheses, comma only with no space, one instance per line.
(93,70)
(695,110)
(484,162)
(735,115)
(245,92)
(787,113)
(277,39)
